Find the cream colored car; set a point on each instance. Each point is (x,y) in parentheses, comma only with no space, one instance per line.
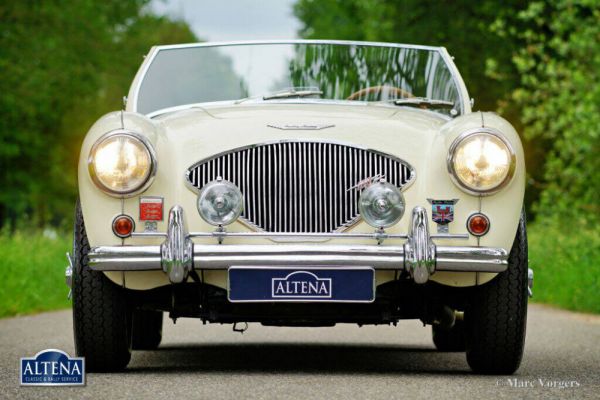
(300,183)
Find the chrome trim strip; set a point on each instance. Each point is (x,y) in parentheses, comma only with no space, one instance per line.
(305,235)
(461,88)
(452,151)
(299,41)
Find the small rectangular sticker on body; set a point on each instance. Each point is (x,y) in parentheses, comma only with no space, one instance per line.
(151,208)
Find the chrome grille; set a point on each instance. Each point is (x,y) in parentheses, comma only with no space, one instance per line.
(300,186)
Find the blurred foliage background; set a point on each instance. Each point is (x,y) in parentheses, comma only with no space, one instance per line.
(64,64)
(537,63)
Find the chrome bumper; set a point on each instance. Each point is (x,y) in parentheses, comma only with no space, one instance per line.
(178,255)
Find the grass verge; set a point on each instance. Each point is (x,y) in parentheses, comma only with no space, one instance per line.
(32,272)
(566,264)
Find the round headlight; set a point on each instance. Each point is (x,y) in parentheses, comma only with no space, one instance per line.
(381,204)
(481,162)
(121,163)
(220,202)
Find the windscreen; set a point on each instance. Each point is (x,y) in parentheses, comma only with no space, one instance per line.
(318,71)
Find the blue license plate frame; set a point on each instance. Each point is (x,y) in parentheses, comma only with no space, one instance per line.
(289,284)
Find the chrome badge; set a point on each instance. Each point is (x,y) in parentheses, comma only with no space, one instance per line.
(365,183)
(301,127)
(442,213)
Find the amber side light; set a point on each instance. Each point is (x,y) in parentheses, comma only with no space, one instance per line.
(123,226)
(478,224)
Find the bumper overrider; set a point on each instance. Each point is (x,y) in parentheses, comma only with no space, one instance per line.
(178,255)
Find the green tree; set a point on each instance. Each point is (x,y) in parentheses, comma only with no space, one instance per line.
(558,60)
(63,63)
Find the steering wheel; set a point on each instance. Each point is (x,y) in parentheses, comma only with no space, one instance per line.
(400,93)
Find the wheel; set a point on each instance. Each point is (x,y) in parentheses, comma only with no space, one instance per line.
(496,317)
(101,314)
(147,329)
(452,339)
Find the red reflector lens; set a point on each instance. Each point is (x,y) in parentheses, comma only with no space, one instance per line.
(478,224)
(123,226)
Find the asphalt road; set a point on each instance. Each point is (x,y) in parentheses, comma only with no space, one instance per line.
(345,362)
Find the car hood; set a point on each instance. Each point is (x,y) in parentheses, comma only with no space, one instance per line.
(202,132)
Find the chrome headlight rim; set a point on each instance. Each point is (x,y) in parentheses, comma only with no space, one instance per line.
(452,154)
(127,193)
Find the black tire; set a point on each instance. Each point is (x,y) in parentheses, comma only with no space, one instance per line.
(147,329)
(497,315)
(452,339)
(101,314)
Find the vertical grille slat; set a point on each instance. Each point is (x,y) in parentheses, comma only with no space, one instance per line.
(311,195)
(300,186)
(304,199)
(279,189)
(320,186)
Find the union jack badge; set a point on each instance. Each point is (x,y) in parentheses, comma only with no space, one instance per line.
(442,213)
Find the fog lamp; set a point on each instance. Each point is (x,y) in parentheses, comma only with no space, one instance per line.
(381,204)
(220,202)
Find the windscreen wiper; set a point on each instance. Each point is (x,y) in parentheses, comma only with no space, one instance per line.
(424,102)
(292,92)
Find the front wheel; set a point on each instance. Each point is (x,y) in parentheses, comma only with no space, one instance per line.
(101,313)
(496,318)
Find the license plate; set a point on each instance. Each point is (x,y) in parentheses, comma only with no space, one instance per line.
(297,284)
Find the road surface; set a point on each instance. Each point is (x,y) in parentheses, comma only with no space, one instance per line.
(344,362)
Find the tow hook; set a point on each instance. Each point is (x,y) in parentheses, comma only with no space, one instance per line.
(69,275)
(530,282)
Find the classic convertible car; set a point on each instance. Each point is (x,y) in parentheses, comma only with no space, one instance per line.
(300,183)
